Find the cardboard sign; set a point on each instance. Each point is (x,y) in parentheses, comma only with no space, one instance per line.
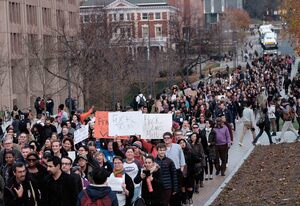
(81,134)
(155,125)
(115,183)
(125,123)
(101,125)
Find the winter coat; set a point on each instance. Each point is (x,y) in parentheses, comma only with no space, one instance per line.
(155,197)
(209,146)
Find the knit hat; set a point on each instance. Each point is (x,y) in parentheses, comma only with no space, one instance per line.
(137,144)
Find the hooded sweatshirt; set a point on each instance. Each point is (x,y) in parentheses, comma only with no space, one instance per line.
(96,192)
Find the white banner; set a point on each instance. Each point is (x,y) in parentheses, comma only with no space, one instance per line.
(125,123)
(81,134)
(155,125)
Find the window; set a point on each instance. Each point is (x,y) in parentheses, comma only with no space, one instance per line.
(121,17)
(128,32)
(123,32)
(14,13)
(60,20)
(72,20)
(16,43)
(31,15)
(46,15)
(47,43)
(158,31)
(145,16)
(157,15)
(86,18)
(128,17)
(145,32)
(114,17)
(32,43)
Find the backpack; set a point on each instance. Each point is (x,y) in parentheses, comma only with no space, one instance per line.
(142,101)
(139,202)
(87,201)
(290,115)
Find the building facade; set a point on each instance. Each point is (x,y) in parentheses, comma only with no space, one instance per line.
(142,23)
(213,9)
(27,29)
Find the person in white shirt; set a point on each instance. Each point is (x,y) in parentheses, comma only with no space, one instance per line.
(272,117)
(249,122)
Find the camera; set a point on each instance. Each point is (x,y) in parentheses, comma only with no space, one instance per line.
(146,172)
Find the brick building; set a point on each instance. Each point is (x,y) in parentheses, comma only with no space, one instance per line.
(144,22)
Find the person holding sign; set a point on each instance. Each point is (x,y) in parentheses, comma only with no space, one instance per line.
(121,183)
(152,183)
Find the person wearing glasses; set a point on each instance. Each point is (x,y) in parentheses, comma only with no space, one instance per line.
(66,166)
(8,146)
(126,191)
(36,171)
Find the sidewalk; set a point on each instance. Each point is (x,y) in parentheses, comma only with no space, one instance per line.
(237,155)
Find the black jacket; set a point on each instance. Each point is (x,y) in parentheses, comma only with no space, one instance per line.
(168,172)
(31,194)
(60,192)
(155,197)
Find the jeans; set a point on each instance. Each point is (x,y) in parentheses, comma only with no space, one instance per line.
(137,193)
(261,130)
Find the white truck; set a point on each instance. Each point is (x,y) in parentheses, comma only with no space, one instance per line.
(268,38)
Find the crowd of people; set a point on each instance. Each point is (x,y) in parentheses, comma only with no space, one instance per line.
(41,165)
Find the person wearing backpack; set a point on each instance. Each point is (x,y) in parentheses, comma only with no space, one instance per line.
(98,193)
(288,114)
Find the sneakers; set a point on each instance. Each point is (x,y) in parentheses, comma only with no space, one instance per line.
(201,184)
(206,177)
(241,144)
(210,177)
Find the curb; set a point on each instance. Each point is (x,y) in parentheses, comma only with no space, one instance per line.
(228,178)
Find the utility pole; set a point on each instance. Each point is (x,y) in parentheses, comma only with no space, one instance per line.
(69,81)
(148,58)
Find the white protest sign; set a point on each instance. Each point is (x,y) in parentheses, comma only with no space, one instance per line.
(81,134)
(155,125)
(125,123)
(115,183)
(72,155)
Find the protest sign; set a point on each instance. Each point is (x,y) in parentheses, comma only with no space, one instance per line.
(101,125)
(81,134)
(72,155)
(125,123)
(155,125)
(115,183)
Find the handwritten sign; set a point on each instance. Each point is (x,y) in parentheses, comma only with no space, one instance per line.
(115,183)
(101,125)
(81,134)
(155,125)
(125,123)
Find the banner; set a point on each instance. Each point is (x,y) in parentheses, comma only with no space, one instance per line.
(155,125)
(101,125)
(125,123)
(81,134)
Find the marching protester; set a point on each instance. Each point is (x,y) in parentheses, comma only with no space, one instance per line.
(43,164)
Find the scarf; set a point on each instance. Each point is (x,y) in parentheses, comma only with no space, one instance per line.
(118,173)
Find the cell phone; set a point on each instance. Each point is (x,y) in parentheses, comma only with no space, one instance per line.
(146,172)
